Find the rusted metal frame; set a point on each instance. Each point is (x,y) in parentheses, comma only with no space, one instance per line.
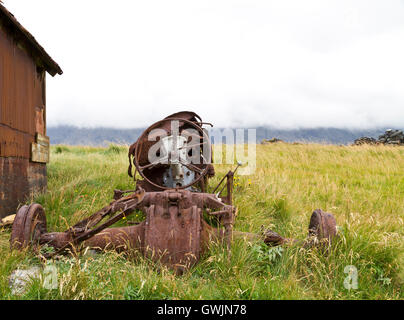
(229,184)
(220,183)
(322,231)
(226,176)
(226,215)
(202,185)
(94,219)
(125,203)
(226,218)
(80,231)
(119,238)
(230,187)
(89,233)
(229,175)
(118,194)
(91,221)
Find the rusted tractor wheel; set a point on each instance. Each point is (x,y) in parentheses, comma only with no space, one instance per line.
(322,227)
(143,166)
(29,224)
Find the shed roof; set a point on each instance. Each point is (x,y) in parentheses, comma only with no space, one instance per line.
(19,33)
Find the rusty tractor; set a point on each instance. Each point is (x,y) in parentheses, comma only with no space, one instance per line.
(174,160)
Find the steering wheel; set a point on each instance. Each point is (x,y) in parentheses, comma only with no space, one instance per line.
(165,124)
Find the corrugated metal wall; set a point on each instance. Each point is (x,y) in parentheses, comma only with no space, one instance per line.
(21,99)
(22,115)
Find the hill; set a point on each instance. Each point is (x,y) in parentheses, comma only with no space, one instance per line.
(70,135)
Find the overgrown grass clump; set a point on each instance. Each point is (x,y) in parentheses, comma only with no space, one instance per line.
(362,186)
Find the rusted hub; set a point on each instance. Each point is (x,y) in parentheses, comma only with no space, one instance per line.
(29,224)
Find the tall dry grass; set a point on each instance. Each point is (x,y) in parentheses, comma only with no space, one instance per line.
(362,186)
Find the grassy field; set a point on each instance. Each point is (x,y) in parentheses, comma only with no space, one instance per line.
(362,186)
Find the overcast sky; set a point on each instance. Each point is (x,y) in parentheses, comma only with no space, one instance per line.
(236,63)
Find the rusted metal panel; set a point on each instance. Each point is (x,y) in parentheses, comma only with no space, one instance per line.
(40,149)
(40,120)
(21,89)
(21,94)
(172,235)
(14,143)
(22,105)
(18,179)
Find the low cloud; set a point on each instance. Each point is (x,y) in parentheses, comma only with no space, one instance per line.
(237,63)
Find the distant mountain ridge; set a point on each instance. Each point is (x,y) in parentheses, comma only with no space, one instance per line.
(101,136)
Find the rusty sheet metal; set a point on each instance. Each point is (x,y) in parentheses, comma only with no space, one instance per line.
(22,89)
(14,143)
(20,34)
(40,149)
(40,120)
(18,179)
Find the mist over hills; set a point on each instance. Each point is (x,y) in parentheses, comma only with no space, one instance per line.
(101,136)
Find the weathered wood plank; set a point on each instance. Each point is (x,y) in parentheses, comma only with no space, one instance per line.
(40,149)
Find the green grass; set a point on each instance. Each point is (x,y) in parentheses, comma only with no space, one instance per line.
(362,186)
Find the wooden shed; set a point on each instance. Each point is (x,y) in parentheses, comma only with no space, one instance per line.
(24,146)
